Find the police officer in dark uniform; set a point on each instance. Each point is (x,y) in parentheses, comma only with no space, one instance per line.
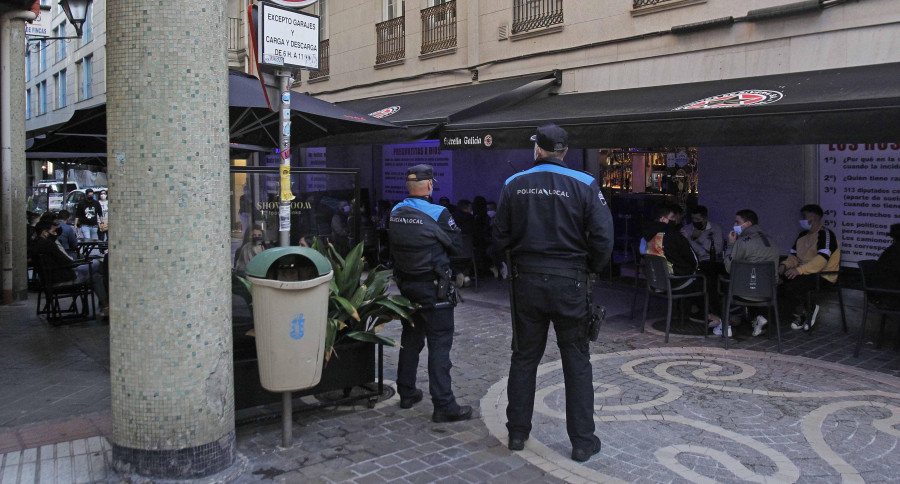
(422,236)
(558,228)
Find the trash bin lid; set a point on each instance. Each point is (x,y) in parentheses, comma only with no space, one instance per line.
(259,265)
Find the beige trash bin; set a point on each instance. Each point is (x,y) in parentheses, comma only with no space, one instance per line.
(290,310)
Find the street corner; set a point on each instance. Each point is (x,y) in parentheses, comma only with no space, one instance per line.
(709,415)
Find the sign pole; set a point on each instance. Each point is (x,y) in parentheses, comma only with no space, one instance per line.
(285,78)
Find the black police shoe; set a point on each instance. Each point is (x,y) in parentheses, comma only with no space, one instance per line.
(408,402)
(517,443)
(463,413)
(582,455)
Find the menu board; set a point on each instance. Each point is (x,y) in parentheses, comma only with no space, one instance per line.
(859,190)
(397,158)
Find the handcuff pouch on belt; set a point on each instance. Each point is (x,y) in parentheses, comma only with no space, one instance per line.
(597,313)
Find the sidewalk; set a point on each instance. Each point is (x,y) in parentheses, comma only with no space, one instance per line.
(681,412)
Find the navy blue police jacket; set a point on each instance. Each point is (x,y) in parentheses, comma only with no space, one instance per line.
(554,216)
(423,236)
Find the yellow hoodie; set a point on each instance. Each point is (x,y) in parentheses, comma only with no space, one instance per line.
(815,252)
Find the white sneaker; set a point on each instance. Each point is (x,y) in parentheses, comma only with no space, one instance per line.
(503,270)
(759,324)
(467,282)
(797,323)
(718,330)
(812,319)
(460,279)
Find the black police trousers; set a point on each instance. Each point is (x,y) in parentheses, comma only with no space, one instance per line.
(434,325)
(541,299)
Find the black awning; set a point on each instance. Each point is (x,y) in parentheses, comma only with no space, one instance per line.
(423,112)
(252,124)
(855,104)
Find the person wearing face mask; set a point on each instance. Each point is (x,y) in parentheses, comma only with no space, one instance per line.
(87,216)
(816,250)
(557,228)
(704,236)
(423,236)
(747,242)
(61,265)
(104,206)
(246,253)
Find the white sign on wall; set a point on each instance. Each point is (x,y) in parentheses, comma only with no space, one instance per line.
(288,38)
(396,159)
(39,26)
(859,190)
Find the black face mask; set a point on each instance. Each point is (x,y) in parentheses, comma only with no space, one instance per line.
(699,225)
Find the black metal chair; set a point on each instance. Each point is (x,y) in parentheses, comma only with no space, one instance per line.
(638,275)
(57,291)
(752,284)
(875,297)
(660,284)
(466,257)
(836,287)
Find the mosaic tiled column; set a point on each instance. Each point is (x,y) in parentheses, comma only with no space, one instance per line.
(170,287)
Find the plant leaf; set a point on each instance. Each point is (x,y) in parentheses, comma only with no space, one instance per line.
(371,338)
(348,308)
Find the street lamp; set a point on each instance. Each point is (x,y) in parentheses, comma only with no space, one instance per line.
(76,12)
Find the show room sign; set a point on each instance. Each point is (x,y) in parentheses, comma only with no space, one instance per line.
(859,190)
(288,38)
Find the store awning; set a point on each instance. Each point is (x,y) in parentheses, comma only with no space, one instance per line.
(252,125)
(423,112)
(856,104)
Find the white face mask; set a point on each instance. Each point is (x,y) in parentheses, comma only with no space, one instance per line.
(804,224)
(491,213)
(737,229)
(103,197)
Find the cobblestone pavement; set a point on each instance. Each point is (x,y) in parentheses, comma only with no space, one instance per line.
(688,411)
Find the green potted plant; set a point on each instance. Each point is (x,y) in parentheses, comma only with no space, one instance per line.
(358,309)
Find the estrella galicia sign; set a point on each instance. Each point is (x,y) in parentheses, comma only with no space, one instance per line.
(737,99)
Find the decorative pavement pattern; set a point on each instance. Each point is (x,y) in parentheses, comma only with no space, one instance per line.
(704,415)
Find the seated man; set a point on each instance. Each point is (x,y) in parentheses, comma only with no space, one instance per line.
(664,239)
(67,238)
(48,249)
(747,242)
(707,241)
(888,275)
(816,250)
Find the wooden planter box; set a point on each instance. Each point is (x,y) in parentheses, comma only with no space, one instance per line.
(352,364)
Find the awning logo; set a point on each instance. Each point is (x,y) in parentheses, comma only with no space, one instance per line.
(735,99)
(383,113)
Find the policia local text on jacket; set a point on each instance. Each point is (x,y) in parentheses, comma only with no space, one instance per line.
(422,237)
(558,228)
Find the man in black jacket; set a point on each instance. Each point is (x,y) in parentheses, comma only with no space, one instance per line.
(88,215)
(557,227)
(422,237)
(61,265)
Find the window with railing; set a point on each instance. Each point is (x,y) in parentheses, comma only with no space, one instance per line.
(391,37)
(323,61)
(536,14)
(647,3)
(235,34)
(439,27)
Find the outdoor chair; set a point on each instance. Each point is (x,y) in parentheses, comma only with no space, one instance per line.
(661,283)
(55,293)
(834,287)
(638,275)
(877,298)
(752,284)
(466,258)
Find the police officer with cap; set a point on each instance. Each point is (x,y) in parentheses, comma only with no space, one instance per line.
(558,229)
(422,237)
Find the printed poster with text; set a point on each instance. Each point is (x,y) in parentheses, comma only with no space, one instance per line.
(396,159)
(859,190)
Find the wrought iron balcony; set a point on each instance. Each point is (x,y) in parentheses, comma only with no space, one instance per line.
(323,61)
(391,38)
(647,3)
(439,27)
(536,14)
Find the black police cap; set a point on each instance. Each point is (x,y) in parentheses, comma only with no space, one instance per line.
(420,173)
(551,137)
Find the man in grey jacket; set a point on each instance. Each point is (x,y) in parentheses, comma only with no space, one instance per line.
(747,242)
